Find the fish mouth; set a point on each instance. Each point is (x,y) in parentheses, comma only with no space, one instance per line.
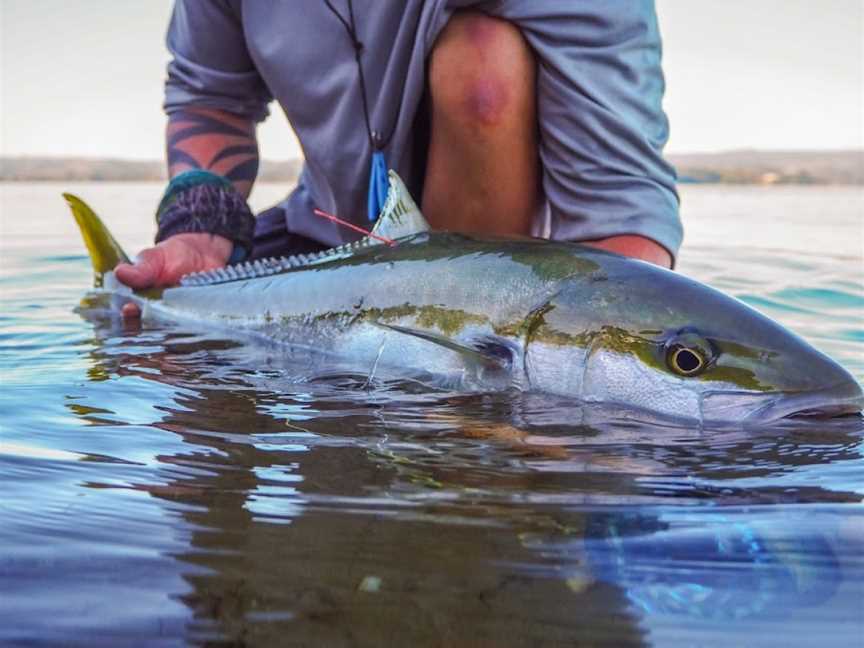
(844,399)
(722,407)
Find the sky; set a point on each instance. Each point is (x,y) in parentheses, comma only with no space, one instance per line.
(84,77)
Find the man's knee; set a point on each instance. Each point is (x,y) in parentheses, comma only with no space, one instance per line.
(481,71)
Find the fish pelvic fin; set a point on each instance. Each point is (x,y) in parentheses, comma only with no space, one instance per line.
(105,252)
(476,357)
(400,216)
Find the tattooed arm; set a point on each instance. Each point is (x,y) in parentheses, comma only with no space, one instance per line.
(216,141)
(210,140)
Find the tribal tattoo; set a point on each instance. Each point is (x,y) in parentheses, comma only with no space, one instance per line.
(216,141)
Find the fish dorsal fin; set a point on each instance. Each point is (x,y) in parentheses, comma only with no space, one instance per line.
(400,216)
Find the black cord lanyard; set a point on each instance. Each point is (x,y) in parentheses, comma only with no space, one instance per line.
(376,140)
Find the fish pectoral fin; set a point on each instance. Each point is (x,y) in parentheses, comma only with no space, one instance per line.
(482,356)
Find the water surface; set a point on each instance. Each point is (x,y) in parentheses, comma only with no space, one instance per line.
(165,485)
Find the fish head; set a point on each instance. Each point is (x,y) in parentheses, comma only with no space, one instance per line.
(638,336)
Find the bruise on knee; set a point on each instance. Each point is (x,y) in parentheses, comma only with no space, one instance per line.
(481,71)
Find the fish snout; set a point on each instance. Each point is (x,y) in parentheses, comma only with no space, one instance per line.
(810,385)
(841,399)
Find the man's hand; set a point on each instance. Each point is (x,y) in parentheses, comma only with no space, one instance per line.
(164,264)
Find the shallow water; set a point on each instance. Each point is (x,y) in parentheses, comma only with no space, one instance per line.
(165,485)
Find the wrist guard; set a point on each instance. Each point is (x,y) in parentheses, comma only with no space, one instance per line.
(200,201)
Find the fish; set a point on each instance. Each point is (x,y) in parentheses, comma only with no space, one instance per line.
(490,313)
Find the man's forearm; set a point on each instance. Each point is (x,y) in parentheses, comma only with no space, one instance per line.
(637,247)
(216,141)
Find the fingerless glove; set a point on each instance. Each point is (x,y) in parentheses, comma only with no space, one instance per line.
(200,201)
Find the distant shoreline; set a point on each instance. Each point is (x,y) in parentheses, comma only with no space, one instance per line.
(745,167)
(753,167)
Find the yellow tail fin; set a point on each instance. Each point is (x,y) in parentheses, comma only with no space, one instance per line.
(105,252)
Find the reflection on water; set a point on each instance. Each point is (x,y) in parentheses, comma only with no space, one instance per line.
(165,483)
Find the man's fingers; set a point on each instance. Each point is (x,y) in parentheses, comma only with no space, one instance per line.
(130,311)
(145,272)
(133,276)
(142,274)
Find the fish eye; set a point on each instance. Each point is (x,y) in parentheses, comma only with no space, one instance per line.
(688,353)
(685,361)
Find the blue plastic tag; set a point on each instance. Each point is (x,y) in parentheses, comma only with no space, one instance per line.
(378,186)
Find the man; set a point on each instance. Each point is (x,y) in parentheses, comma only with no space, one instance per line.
(512,117)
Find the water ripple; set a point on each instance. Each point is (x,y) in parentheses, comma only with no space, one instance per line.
(225,494)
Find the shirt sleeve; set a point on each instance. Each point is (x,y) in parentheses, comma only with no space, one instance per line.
(602,127)
(211,65)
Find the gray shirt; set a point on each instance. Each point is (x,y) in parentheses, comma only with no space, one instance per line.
(599,91)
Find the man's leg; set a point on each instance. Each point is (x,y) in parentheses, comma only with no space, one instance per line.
(482,170)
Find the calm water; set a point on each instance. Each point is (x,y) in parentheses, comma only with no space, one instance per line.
(163,486)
